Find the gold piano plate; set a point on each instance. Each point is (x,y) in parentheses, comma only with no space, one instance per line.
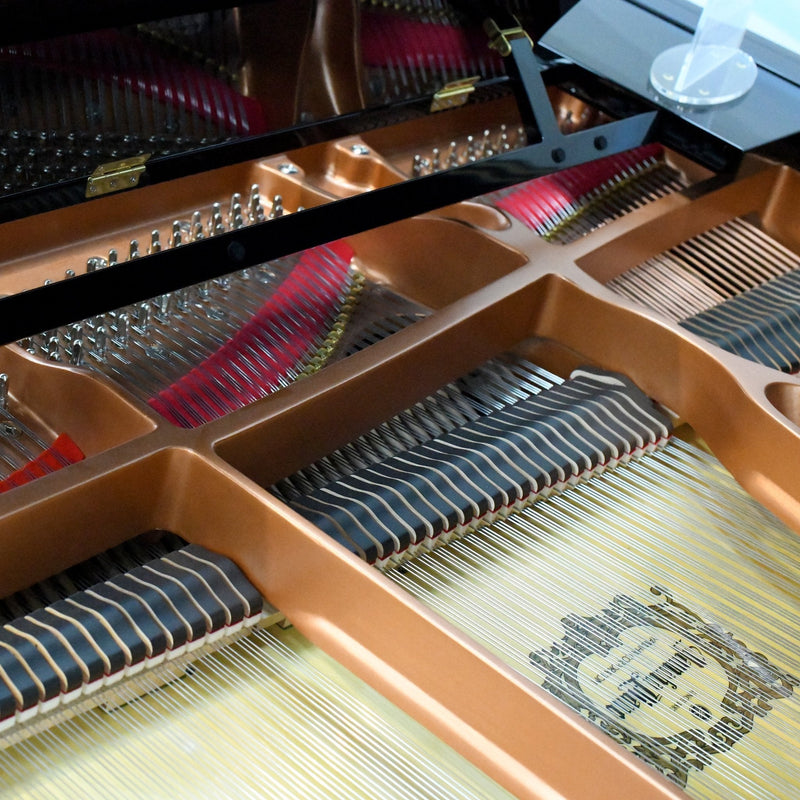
(472,282)
(514,291)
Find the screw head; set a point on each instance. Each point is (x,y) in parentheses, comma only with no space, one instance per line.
(10,430)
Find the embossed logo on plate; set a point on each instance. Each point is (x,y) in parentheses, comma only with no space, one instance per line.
(673,688)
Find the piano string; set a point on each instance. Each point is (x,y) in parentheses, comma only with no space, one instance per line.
(735,285)
(656,598)
(633,598)
(258,710)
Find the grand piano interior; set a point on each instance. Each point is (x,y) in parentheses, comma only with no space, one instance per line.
(392,406)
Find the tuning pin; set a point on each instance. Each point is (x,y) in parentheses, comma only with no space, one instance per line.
(182,299)
(277,207)
(197,226)
(69,273)
(101,342)
(53,349)
(237,218)
(3,391)
(73,332)
(416,167)
(471,148)
(155,242)
(96,262)
(256,210)
(177,237)
(486,144)
(76,352)
(123,330)
(162,307)
(217,225)
(112,258)
(134,250)
(143,318)
(436,164)
(236,200)
(452,156)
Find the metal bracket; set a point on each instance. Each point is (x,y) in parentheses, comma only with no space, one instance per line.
(116,176)
(454,94)
(557,150)
(500,38)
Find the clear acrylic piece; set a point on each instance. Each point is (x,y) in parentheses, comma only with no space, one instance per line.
(712,68)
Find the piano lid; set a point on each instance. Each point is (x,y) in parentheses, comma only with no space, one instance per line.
(633,34)
(172,82)
(124,100)
(190,86)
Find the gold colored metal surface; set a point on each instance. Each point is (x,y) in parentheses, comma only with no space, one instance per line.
(70,236)
(116,176)
(500,38)
(453,94)
(493,286)
(329,79)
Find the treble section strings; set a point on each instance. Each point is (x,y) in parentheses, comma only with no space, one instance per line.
(734,285)
(566,205)
(657,600)
(267,716)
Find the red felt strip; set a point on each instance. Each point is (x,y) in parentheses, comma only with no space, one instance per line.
(266,351)
(117,58)
(60,454)
(541,202)
(393,40)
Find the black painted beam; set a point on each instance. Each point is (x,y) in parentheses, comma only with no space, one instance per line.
(49,307)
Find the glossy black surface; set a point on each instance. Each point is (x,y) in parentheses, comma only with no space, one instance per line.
(47,307)
(619,40)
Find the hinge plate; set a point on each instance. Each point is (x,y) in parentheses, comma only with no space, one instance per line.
(116,176)
(454,94)
(500,38)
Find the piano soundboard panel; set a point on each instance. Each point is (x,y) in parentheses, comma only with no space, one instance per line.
(269,715)
(657,559)
(659,602)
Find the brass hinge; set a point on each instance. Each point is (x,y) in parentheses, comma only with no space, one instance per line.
(500,38)
(116,176)
(454,94)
